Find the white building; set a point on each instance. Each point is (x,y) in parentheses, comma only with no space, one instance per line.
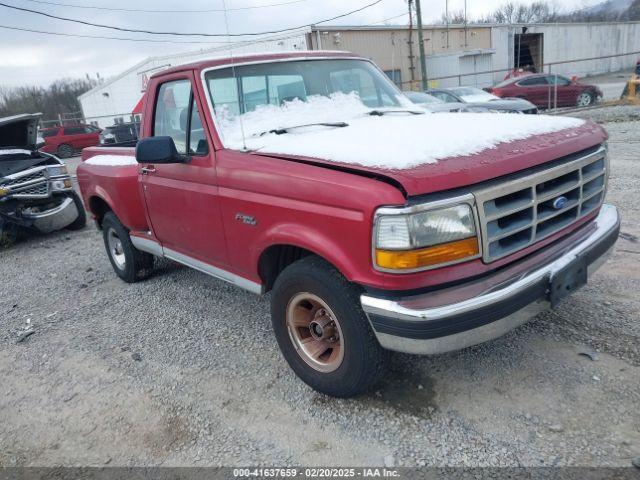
(114,100)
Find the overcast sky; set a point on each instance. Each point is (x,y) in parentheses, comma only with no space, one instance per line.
(31,58)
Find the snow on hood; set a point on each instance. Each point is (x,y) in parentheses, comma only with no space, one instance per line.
(393,141)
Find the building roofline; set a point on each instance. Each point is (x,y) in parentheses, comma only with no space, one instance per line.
(333,28)
(202,51)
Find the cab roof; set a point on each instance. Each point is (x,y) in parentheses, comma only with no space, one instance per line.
(221,61)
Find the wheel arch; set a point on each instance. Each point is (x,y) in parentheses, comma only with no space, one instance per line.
(99,208)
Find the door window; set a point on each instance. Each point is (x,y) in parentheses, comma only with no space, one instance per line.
(172,112)
(533,82)
(558,80)
(197,138)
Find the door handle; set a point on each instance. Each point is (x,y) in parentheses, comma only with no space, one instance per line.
(147,170)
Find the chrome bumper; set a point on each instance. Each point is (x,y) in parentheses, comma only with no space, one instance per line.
(404,325)
(54,219)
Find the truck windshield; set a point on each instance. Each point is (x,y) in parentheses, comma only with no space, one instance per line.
(269,96)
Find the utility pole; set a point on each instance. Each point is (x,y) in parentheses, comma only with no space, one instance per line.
(423,60)
(412,67)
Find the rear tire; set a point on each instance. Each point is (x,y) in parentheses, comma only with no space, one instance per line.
(65,151)
(319,295)
(129,263)
(81,220)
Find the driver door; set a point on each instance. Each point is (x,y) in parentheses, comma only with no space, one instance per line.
(182,198)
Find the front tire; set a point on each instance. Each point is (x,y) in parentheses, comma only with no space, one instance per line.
(129,263)
(585,99)
(322,331)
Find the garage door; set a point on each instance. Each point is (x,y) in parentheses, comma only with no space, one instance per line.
(470,65)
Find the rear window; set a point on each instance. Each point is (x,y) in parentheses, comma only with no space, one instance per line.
(48,133)
(504,83)
(74,130)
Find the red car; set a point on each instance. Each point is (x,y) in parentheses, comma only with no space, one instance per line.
(375,225)
(540,89)
(65,141)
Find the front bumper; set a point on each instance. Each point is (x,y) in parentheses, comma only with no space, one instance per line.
(54,219)
(485,309)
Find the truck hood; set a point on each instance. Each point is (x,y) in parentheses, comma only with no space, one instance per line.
(19,144)
(19,132)
(464,170)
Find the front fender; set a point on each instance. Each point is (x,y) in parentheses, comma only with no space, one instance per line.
(333,250)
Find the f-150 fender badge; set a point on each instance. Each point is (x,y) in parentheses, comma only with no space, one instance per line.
(246,219)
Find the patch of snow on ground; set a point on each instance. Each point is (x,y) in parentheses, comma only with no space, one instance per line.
(393,141)
(112,160)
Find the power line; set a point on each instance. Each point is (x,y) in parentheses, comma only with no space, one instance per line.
(208,10)
(186,42)
(100,37)
(152,32)
(387,19)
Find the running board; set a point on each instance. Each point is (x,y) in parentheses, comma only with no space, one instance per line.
(151,246)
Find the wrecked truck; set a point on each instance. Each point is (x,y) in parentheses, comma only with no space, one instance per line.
(36,191)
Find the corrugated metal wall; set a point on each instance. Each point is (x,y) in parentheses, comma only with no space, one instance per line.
(389,47)
(564,42)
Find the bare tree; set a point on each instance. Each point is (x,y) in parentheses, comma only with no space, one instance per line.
(537,12)
(456,17)
(60,97)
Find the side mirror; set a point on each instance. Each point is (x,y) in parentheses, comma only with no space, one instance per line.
(158,150)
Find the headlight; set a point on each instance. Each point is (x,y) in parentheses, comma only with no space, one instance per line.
(57,170)
(426,238)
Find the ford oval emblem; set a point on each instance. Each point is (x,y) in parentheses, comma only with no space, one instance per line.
(560,202)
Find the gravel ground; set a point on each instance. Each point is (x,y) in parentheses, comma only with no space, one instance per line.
(184,370)
(606,115)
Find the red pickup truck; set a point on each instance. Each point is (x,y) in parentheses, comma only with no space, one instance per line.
(375,224)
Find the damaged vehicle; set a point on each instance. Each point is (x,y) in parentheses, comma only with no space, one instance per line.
(36,192)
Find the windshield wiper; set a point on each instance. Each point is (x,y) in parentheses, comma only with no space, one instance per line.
(283,130)
(380,113)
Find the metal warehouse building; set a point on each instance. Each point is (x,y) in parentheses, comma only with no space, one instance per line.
(459,55)
(477,55)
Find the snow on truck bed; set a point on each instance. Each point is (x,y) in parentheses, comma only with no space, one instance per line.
(112,160)
(397,140)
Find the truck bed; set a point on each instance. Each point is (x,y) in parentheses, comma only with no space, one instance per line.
(111,177)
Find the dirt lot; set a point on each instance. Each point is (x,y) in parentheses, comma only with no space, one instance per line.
(183,370)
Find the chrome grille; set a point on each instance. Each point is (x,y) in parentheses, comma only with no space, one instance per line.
(28,184)
(17,179)
(521,212)
(37,189)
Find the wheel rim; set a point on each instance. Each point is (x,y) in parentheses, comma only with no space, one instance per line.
(315,332)
(115,249)
(584,99)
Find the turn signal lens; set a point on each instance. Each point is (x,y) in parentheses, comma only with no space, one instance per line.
(427,257)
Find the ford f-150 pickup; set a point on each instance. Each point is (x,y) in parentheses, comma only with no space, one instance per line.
(375,224)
